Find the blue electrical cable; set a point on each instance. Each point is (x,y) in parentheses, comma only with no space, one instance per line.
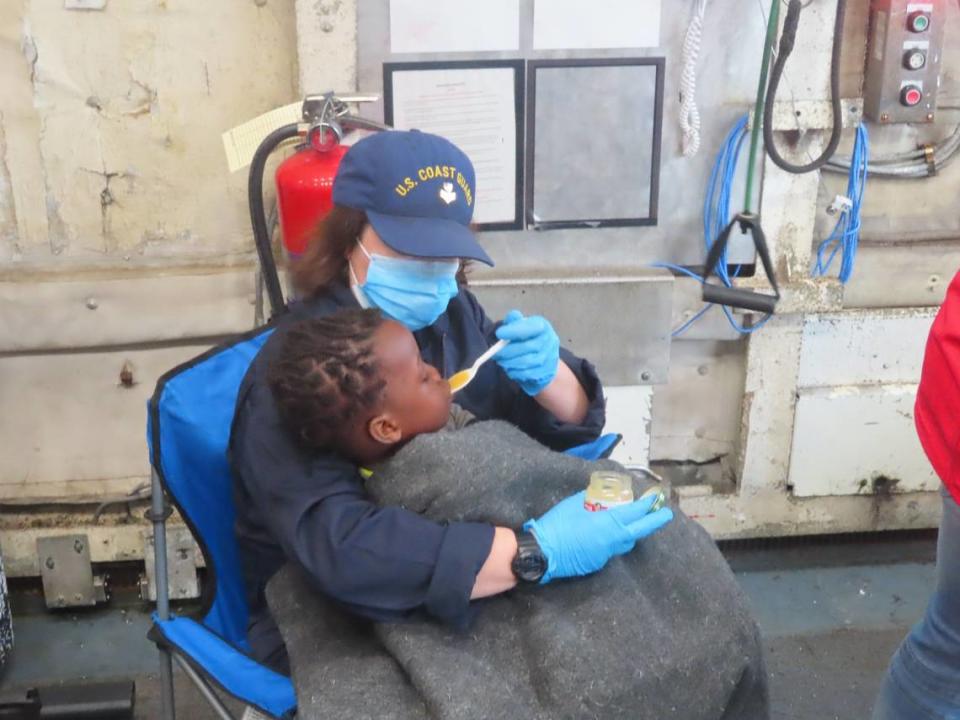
(690,274)
(699,278)
(716,217)
(716,205)
(845,237)
(680,269)
(716,211)
(843,240)
(683,328)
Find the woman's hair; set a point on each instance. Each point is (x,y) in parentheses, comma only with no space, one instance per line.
(325,259)
(325,373)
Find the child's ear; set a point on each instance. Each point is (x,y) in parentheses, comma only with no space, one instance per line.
(384,429)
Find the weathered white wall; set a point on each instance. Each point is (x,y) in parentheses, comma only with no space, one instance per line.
(854,424)
(71,428)
(124,242)
(327,45)
(111,125)
(697,413)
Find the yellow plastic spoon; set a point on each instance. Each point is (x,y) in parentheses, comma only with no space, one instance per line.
(459,380)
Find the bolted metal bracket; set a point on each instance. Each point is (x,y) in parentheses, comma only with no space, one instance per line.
(181,566)
(327,118)
(327,106)
(68,579)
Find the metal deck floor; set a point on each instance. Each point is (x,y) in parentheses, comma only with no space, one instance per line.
(831,616)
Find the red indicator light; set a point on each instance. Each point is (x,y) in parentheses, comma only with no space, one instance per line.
(911,96)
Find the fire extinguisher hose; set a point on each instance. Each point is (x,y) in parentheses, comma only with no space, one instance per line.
(258,219)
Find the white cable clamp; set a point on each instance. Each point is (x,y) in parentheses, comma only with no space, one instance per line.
(840,204)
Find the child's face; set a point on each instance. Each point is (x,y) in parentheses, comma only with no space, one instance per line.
(416,394)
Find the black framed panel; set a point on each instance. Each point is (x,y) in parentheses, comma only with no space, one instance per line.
(593,142)
(473,123)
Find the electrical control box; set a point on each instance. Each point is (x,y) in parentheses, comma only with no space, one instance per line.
(903,60)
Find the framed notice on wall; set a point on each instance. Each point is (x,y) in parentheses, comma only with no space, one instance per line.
(478,105)
(593,142)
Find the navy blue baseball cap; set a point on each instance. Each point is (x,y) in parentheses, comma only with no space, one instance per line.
(418,191)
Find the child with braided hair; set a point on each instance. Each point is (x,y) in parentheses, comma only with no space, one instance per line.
(355,382)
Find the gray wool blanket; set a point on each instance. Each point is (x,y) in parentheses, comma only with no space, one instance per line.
(663,632)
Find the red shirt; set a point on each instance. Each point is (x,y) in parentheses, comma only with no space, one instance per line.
(938,397)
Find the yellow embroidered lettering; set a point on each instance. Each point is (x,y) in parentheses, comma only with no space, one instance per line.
(467,192)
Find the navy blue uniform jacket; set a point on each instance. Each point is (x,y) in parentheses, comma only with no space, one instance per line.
(379,562)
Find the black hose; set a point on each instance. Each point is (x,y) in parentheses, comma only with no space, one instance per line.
(787,39)
(258,219)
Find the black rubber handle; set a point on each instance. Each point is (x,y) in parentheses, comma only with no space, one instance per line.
(739,297)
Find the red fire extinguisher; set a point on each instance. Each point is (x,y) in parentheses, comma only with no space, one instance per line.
(305,190)
(304,181)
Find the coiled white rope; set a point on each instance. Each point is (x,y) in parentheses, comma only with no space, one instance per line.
(689,113)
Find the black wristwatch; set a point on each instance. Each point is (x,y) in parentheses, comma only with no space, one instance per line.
(530,564)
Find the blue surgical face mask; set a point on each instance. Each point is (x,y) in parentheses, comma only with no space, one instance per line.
(412,292)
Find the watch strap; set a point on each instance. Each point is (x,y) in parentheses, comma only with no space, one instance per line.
(529,564)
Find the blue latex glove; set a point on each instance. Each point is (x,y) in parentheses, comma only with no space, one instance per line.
(533,355)
(577,541)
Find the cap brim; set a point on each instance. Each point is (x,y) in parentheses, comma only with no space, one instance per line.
(428,237)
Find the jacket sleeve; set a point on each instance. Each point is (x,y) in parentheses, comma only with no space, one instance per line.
(530,416)
(938,395)
(379,562)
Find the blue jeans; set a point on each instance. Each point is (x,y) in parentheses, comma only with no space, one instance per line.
(923,680)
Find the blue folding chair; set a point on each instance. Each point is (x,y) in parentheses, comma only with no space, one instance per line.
(188,429)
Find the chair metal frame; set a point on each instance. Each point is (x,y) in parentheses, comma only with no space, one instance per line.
(159,511)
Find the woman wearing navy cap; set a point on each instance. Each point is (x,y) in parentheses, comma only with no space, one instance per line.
(395,240)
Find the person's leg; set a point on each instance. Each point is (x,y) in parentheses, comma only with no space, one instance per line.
(923,681)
